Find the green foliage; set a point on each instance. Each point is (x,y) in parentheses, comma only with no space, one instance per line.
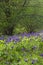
(22,53)
(28,13)
(19,29)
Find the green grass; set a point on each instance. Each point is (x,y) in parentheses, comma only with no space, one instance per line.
(25,52)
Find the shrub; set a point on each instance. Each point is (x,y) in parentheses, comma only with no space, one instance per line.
(26,52)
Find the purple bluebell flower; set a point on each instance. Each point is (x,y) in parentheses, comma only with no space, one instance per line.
(41,55)
(25,34)
(2,37)
(8,40)
(22,35)
(28,35)
(34,34)
(34,47)
(34,61)
(15,38)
